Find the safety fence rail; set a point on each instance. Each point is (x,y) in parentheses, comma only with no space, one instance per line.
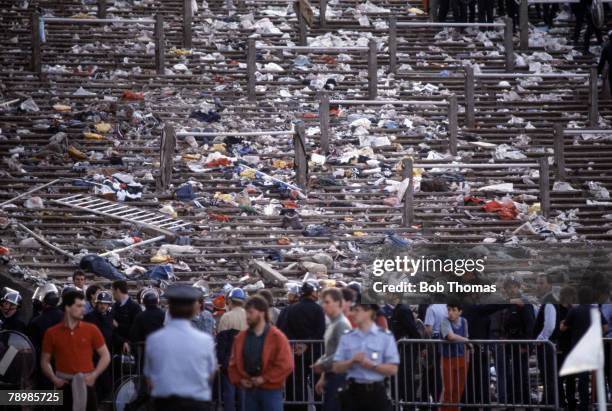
(38,35)
(488,374)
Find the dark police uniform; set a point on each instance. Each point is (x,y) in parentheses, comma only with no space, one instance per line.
(12,323)
(366,387)
(124,315)
(146,323)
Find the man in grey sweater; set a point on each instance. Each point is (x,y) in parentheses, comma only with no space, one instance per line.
(330,382)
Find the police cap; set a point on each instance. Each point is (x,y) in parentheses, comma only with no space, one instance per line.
(182,293)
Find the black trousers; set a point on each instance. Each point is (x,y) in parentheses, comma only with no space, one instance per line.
(92,399)
(366,397)
(478,378)
(485,11)
(182,404)
(545,355)
(517,373)
(512,10)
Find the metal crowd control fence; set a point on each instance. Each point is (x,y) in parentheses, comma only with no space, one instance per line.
(470,80)
(325,102)
(408,170)
(559,145)
(372,62)
(39,22)
(432,373)
(393,26)
(299,143)
(436,373)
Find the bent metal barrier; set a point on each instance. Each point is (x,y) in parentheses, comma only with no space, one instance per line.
(482,374)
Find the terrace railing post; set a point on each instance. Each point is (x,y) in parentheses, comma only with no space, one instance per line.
(322,13)
(393,44)
(509,44)
(324,121)
(302,39)
(372,70)
(593,98)
(470,120)
(251,65)
(544,186)
(36,43)
(452,124)
(559,149)
(524,24)
(159,44)
(166,160)
(187,30)
(101,9)
(300,161)
(408,206)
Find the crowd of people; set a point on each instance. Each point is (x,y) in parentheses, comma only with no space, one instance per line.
(250,353)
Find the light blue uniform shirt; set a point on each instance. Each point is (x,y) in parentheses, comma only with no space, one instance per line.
(378,346)
(180,360)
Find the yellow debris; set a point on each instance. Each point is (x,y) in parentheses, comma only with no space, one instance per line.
(93,136)
(180,52)
(191,157)
(534,208)
(359,234)
(62,108)
(226,198)
(248,173)
(157,259)
(415,10)
(82,16)
(76,153)
(103,128)
(220,147)
(279,164)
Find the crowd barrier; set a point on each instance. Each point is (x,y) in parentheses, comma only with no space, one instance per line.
(486,374)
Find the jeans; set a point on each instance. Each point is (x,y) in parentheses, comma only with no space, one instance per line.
(229,394)
(260,399)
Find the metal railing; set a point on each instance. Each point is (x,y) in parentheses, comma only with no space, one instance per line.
(485,374)
(506,26)
(371,51)
(38,27)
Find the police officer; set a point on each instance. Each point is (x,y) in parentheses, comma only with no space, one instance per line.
(102,318)
(367,355)
(180,360)
(9,315)
(150,320)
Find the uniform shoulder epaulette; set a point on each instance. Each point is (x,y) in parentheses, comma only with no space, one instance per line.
(347,331)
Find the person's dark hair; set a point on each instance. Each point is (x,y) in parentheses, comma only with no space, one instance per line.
(458,306)
(120,285)
(348,294)
(78,273)
(258,303)
(181,310)
(548,276)
(91,292)
(267,295)
(333,293)
(585,295)
(71,296)
(568,295)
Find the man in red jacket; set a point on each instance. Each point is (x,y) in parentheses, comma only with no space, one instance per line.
(261,359)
